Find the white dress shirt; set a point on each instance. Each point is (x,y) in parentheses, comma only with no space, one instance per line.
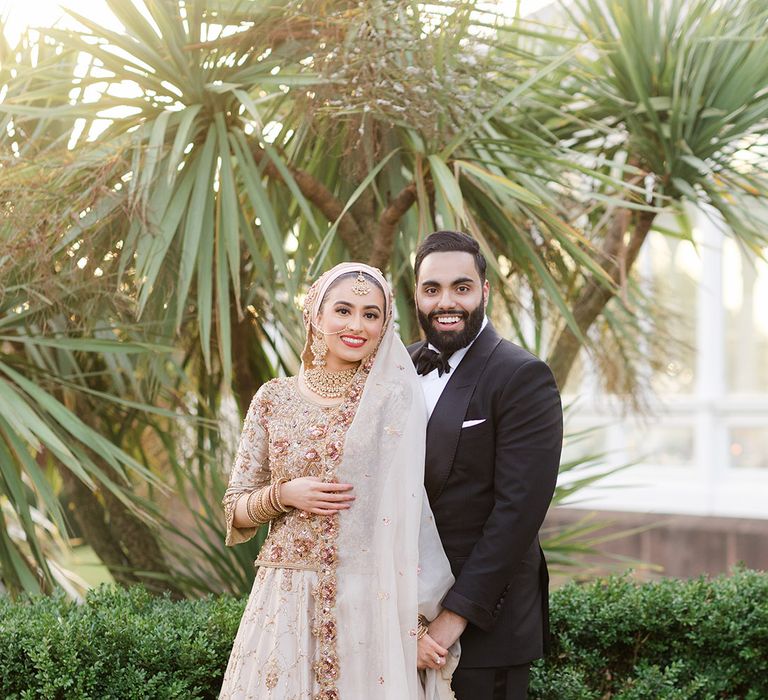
(433,384)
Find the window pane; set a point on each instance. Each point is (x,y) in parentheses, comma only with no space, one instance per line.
(675,270)
(748,447)
(745,298)
(661,445)
(583,443)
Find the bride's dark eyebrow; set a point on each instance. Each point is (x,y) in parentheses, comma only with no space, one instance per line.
(368,306)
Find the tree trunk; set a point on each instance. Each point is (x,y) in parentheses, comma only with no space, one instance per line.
(317,193)
(385,234)
(245,380)
(86,509)
(141,547)
(125,543)
(595,295)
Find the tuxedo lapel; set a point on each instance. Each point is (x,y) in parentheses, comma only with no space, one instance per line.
(444,427)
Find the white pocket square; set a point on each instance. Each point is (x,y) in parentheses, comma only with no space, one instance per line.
(470,423)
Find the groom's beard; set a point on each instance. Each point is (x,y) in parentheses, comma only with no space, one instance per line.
(449,342)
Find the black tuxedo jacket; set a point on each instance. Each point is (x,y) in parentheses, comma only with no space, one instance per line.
(489,486)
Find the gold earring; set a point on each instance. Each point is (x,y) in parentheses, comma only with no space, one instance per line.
(319,350)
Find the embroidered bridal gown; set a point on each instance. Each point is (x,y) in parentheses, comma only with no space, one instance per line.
(333,610)
(286,644)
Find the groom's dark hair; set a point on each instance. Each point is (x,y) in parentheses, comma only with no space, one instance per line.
(450,242)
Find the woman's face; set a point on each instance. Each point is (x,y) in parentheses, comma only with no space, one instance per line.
(351,323)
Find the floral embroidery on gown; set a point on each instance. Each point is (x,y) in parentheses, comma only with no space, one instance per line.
(285,647)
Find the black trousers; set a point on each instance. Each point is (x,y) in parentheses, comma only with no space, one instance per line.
(491,683)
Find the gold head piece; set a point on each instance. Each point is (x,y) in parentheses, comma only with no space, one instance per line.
(361,287)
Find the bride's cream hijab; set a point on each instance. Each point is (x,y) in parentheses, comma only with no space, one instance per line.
(315,297)
(391,563)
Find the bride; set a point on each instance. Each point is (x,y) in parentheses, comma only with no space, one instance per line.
(333,460)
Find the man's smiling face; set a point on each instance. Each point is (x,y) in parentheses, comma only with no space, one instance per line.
(450,299)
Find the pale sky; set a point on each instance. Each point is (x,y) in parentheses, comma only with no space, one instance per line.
(21,14)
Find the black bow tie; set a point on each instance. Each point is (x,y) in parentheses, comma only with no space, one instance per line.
(427,360)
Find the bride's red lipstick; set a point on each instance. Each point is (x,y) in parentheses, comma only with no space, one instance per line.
(353,341)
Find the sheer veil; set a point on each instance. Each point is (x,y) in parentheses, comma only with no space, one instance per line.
(391,564)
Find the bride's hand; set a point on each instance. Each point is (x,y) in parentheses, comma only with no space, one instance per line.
(314,495)
(430,654)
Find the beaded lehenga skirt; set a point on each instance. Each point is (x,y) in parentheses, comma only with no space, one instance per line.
(274,651)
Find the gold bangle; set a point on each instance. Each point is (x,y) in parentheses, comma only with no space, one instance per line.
(423,627)
(273,499)
(263,512)
(249,508)
(278,484)
(266,503)
(257,509)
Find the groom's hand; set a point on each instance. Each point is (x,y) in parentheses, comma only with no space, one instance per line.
(447,627)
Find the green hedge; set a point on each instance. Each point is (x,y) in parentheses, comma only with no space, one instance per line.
(673,640)
(119,645)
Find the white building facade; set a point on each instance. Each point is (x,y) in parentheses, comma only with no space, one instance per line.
(702,447)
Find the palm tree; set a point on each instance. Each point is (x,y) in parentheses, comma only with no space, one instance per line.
(259,144)
(679,91)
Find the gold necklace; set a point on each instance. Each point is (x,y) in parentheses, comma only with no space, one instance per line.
(329,385)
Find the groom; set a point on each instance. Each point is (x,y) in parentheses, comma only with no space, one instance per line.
(493,450)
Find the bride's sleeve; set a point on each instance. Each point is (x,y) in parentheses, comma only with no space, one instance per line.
(434,580)
(435,576)
(250,470)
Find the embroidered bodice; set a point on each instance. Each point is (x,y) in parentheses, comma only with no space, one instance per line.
(285,435)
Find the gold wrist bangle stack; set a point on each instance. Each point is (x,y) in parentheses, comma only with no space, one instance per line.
(423,627)
(265,504)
